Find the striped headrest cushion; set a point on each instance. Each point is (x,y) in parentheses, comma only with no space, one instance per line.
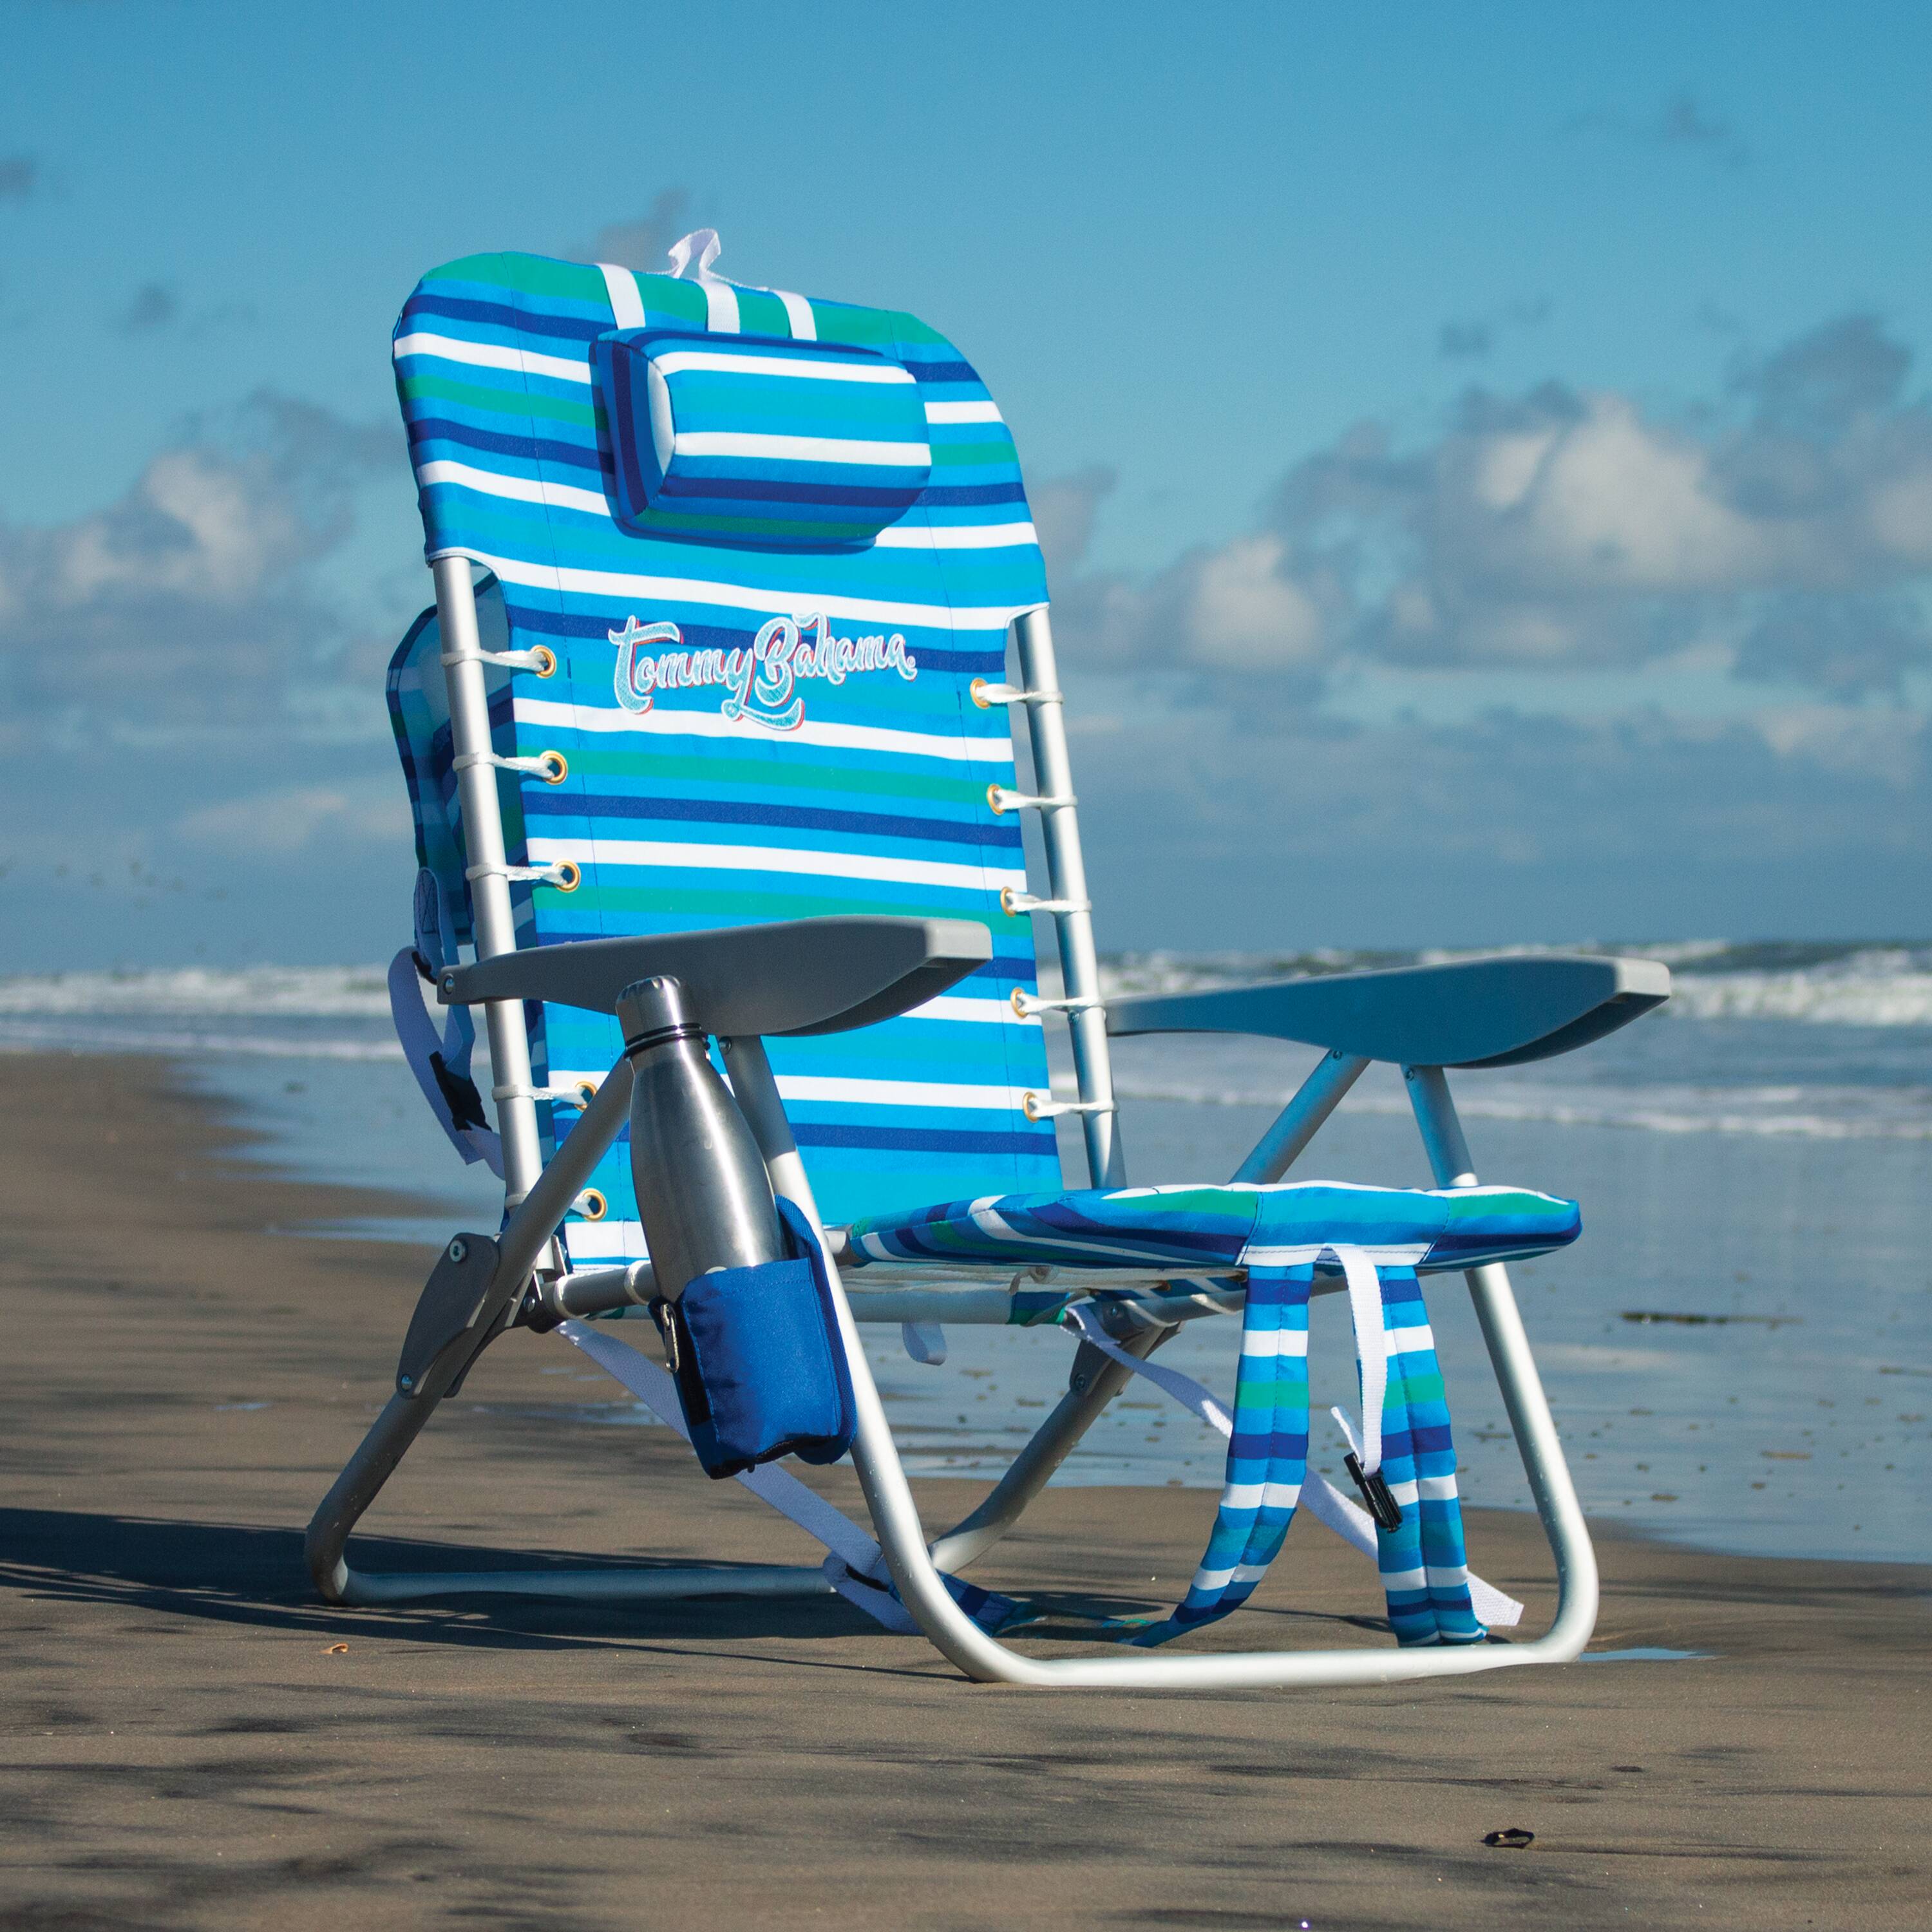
(750,440)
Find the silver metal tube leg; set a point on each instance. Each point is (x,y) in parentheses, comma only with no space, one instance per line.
(483,837)
(1296,1125)
(1537,1440)
(1079,966)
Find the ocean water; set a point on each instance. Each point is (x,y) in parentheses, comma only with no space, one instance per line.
(1738,1350)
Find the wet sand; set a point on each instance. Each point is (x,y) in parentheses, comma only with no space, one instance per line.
(186,1744)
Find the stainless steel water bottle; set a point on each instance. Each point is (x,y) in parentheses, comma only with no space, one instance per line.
(703,1194)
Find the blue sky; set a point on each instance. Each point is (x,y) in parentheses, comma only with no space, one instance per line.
(1483,452)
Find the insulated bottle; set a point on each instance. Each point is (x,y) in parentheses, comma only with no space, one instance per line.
(703,1193)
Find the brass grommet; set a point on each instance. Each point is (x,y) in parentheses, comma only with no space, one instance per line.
(546,660)
(993,799)
(588,1088)
(560,761)
(1018,1003)
(977,690)
(594,1205)
(1028,1102)
(1006,902)
(569,876)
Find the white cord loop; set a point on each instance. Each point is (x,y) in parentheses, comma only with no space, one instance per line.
(1013,903)
(565,875)
(1027,1007)
(552,767)
(540,658)
(1036,1108)
(568,1096)
(986,695)
(1001,800)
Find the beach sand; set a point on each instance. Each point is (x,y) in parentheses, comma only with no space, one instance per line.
(187,1744)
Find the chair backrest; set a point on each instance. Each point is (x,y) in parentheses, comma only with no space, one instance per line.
(682,805)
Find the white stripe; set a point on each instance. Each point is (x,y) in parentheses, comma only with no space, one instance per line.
(779,859)
(1436,1488)
(899,1093)
(803,448)
(1404,1256)
(522,489)
(954,1006)
(624,586)
(955,536)
(627,305)
(490,356)
(1275,1343)
(964,413)
(605,1240)
(743,362)
(721,305)
(798,312)
(1410,1341)
(1405,1580)
(668,723)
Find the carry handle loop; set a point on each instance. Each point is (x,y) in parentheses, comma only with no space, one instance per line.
(1363,1461)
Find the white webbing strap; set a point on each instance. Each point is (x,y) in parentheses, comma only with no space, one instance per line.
(691,260)
(1324,1502)
(1365,1314)
(627,304)
(852,1549)
(424,1048)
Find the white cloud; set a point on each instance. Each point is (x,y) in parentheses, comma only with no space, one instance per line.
(279,824)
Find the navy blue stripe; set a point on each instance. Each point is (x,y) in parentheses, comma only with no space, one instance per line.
(802,818)
(774,489)
(964,495)
(1043,1145)
(942,372)
(500,315)
(530,449)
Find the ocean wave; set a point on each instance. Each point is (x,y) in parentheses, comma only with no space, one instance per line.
(307,992)
(53,1036)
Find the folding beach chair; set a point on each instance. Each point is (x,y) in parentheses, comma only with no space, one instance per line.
(708,739)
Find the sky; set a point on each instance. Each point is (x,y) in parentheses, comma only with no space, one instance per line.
(1483,454)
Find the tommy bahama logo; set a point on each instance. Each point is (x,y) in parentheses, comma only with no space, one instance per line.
(760,678)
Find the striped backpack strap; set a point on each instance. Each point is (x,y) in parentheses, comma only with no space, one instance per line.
(1403,1459)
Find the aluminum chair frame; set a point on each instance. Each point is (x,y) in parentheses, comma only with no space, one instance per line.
(528,1283)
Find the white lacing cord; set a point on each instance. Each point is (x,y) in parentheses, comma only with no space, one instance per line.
(552,767)
(1026,1005)
(1001,800)
(1036,1109)
(540,658)
(1012,902)
(569,1096)
(565,875)
(986,695)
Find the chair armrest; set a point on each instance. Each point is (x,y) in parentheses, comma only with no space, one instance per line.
(798,976)
(1469,1012)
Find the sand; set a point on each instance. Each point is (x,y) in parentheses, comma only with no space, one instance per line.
(187,1742)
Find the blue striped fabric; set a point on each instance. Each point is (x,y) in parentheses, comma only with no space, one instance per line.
(753,441)
(750,733)
(1206,1230)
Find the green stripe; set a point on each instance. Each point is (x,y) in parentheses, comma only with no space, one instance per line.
(800,777)
(507,402)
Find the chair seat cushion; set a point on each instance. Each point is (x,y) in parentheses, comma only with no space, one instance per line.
(1213,1230)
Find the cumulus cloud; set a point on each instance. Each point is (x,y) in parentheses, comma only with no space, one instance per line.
(641,242)
(1788,530)
(284,820)
(193,599)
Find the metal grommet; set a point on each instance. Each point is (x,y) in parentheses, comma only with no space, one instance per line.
(1007,905)
(588,1088)
(1028,1102)
(592,1205)
(977,690)
(546,661)
(561,763)
(568,877)
(1019,1004)
(993,799)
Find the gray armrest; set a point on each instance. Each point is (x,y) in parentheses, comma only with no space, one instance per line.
(798,976)
(1472,1012)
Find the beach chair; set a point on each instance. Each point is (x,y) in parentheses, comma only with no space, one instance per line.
(710,740)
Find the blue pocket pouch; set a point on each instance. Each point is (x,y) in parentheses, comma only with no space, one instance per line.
(760,1369)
